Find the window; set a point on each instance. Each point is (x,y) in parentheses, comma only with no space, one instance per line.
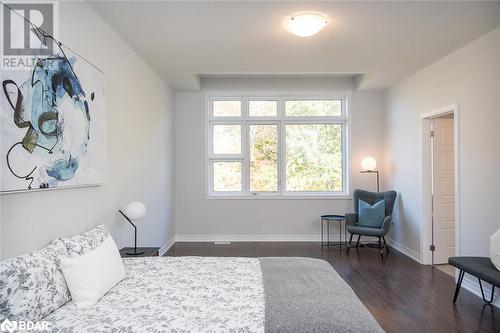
(275,146)
(263,140)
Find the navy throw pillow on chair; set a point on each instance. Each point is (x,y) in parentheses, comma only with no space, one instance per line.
(371,216)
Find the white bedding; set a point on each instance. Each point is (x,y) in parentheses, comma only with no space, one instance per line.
(175,294)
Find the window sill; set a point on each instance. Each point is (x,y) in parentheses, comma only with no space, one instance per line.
(279,197)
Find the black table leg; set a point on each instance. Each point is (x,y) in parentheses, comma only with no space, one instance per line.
(321,226)
(340,236)
(482,292)
(327,233)
(459,284)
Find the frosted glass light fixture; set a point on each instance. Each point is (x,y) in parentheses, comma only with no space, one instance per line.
(135,210)
(368,165)
(306,24)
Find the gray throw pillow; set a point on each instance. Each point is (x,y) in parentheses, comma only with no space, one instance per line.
(371,215)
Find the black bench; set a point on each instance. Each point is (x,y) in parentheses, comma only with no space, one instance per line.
(480,267)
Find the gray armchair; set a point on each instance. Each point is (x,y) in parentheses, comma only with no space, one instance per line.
(351,219)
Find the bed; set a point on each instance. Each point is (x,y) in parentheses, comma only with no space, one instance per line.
(177,294)
(213,294)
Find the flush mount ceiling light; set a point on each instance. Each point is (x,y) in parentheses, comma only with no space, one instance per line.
(306,24)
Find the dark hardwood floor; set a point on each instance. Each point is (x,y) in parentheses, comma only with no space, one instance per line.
(402,295)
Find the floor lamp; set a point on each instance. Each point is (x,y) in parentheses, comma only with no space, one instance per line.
(368,165)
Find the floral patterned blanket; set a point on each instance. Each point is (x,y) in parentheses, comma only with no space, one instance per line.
(203,294)
(174,294)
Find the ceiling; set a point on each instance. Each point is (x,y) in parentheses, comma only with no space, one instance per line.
(378,43)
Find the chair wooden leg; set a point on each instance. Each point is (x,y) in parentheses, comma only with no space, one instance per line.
(349,245)
(386,247)
(357,243)
(380,248)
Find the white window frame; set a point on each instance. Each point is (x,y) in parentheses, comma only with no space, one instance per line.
(281,120)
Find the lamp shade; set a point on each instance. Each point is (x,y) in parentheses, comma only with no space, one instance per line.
(368,164)
(306,24)
(135,210)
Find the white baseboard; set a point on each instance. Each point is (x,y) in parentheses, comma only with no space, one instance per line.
(257,238)
(251,238)
(471,284)
(404,250)
(263,238)
(167,246)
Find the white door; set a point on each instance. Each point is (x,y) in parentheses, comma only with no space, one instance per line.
(443,184)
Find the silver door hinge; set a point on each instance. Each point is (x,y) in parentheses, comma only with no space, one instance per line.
(432,134)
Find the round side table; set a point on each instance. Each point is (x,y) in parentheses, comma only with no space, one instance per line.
(328,219)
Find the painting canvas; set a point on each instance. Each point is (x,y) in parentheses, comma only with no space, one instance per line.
(52,122)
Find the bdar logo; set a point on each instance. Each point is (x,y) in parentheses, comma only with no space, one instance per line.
(8,326)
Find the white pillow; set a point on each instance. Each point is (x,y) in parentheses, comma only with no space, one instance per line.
(495,249)
(94,273)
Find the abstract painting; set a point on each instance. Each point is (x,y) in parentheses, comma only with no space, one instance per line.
(52,122)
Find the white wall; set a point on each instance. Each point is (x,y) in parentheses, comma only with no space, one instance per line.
(140,151)
(471,77)
(198,218)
